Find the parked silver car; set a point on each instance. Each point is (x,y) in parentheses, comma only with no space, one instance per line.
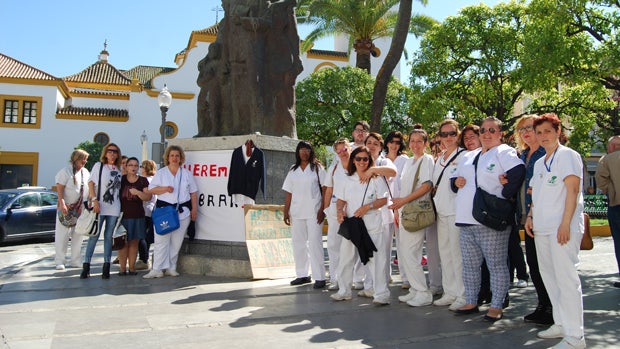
(27,212)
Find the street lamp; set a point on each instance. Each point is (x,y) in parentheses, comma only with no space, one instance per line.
(143,139)
(164,99)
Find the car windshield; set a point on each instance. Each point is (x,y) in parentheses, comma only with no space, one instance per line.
(5,197)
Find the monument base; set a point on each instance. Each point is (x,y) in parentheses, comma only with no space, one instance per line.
(215,257)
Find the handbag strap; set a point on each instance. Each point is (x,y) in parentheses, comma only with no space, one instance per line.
(316,168)
(449,161)
(417,175)
(365,190)
(476,168)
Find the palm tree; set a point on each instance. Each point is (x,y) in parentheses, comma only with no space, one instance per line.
(362,20)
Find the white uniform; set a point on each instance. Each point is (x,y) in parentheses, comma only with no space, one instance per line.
(558,263)
(411,243)
(353,193)
(387,214)
(336,175)
(304,185)
(71,195)
(399,162)
(447,232)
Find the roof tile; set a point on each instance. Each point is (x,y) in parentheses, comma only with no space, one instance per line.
(12,68)
(100,73)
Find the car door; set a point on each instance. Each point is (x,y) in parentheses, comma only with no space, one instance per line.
(23,216)
(49,201)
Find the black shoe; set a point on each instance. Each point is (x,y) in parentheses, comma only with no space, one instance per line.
(535,315)
(473,310)
(617,284)
(122,273)
(106,271)
(319,284)
(493,319)
(301,281)
(85,271)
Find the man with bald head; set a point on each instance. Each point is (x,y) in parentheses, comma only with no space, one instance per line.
(608,180)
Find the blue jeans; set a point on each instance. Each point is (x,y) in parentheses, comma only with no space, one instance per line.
(110,223)
(613,217)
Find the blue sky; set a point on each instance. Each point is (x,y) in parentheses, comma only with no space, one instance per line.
(63,37)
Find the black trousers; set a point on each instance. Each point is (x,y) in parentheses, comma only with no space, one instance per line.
(515,256)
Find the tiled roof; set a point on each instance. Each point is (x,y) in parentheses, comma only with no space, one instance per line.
(212,30)
(145,73)
(100,73)
(12,68)
(100,92)
(329,53)
(101,112)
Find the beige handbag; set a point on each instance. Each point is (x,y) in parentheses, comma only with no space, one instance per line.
(419,213)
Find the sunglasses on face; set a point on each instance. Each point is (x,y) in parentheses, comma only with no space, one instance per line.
(115,151)
(361,158)
(525,129)
(393,141)
(344,149)
(446,134)
(491,130)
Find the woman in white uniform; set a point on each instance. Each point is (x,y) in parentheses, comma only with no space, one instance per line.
(555,221)
(364,200)
(303,211)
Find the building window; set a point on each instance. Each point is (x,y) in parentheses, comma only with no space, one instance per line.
(101,138)
(21,111)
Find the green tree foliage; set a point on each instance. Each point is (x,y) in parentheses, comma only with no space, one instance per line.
(470,65)
(93,149)
(330,101)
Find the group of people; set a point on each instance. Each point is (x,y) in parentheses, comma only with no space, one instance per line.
(541,180)
(118,186)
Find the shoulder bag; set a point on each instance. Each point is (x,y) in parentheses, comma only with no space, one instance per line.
(119,237)
(586,239)
(419,213)
(491,210)
(88,222)
(166,218)
(73,210)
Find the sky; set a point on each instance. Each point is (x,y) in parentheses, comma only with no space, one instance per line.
(64,37)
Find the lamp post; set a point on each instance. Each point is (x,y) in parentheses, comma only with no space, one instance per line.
(143,139)
(164,99)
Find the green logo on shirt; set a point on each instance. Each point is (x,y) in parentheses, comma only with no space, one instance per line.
(491,167)
(552,180)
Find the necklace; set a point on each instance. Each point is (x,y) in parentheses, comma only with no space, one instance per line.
(111,167)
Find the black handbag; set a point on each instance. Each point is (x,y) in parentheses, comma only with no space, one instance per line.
(491,210)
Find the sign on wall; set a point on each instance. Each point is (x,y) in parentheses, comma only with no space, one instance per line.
(218,217)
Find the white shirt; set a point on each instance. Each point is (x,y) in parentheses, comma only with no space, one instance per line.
(353,193)
(183,184)
(464,201)
(305,188)
(109,197)
(399,162)
(388,215)
(444,197)
(411,166)
(549,191)
(334,179)
(71,193)
(494,162)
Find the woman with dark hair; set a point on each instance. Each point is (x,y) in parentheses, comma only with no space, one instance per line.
(303,211)
(147,170)
(483,168)
(470,137)
(555,221)
(134,191)
(363,200)
(104,189)
(71,185)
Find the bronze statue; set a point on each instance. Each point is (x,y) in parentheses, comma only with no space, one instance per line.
(247,79)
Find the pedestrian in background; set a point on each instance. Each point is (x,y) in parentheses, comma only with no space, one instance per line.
(148,170)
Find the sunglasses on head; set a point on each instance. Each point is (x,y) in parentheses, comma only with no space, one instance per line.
(446,134)
(361,158)
(491,130)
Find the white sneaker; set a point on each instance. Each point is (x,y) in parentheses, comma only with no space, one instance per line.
(421,299)
(153,274)
(341,297)
(171,272)
(369,293)
(446,299)
(554,331)
(381,300)
(571,343)
(407,297)
(358,286)
(60,267)
(521,284)
(333,286)
(457,304)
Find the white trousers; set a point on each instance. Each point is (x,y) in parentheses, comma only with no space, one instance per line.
(307,236)
(375,266)
(558,268)
(166,248)
(61,243)
(333,247)
(434,261)
(401,270)
(410,258)
(448,239)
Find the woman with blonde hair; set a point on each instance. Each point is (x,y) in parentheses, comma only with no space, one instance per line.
(71,185)
(173,185)
(104,194)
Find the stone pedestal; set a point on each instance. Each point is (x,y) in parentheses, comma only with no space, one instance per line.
(230,258)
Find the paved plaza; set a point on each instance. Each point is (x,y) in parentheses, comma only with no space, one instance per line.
(44,308)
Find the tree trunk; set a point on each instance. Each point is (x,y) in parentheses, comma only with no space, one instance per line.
(390,62)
